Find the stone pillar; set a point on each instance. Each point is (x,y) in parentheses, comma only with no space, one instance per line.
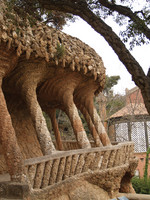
(72,112)
(52,115)
(111,132)
(10,146)
(89,105)
(38,119)
(91,126)
(12,153)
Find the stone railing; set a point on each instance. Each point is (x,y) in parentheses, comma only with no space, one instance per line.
(48,170)
(72,144)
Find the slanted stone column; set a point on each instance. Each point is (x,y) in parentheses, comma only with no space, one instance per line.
(72,112)
(8,138)
(52,115)
(38,119)
(10,146)
(91,126)
(89,105)
(29,73)
(111,132)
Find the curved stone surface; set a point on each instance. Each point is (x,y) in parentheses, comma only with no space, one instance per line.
(43,69)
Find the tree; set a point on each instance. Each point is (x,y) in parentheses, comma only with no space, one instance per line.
(113,102)
(110,82)
(35,12)
(138,22)
(146,165)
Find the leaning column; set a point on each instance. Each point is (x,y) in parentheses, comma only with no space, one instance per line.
(8,138)
(38,119)
(72,112)
(52,115)
(91,126)
(89,105)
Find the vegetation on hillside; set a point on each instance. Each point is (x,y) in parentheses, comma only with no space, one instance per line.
(140,185)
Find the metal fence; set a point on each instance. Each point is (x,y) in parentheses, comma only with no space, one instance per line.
(136,131)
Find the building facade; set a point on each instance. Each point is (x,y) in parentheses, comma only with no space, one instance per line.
(132,123)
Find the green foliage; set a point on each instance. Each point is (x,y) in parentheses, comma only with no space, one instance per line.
(20,8)
(110,82)
(114,103)
(33,11)
(133,35)
(146,165)
(141,186)
(60,50)
(136,19)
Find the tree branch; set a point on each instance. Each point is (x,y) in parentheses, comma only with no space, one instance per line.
(123,10)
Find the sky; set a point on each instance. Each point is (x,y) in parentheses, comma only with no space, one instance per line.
(87,34)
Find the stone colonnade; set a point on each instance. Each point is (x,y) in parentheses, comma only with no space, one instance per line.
(41,90)
(70,93)
(46,69)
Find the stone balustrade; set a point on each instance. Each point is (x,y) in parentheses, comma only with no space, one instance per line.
(50,169)
(72,144)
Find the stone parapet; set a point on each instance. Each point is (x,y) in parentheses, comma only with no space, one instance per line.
(51,169)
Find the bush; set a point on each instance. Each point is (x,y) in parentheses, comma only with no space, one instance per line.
(141,186)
